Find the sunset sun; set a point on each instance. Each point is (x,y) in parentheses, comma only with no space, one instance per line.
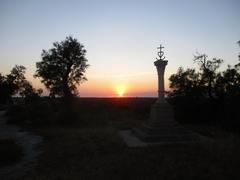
(120,89)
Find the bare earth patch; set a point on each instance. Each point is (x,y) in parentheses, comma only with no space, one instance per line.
(23,148)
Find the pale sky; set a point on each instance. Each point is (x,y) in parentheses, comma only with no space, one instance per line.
(121,37)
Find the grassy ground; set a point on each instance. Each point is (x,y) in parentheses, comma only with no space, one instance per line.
(10,152)
(90,148)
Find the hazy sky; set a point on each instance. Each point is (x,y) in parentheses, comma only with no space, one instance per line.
(120,36)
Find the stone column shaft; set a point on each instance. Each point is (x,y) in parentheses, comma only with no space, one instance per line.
(160,65)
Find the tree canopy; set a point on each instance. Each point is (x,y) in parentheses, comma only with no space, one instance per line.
(207,94)
(207,82)
(15,83)
(62,67)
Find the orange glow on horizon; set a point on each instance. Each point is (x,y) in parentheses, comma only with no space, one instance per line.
(121,90)
(97,86)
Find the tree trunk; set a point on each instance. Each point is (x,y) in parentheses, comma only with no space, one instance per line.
(66,90)
(210,88)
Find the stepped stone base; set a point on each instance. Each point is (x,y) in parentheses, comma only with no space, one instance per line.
(173,134)
(161,126)
(133,141)
(160,129)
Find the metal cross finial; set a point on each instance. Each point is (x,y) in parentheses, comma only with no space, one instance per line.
(160,47)
(160,53)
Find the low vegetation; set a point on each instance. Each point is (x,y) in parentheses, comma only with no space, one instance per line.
(10,152)
(84,111)
(86,144)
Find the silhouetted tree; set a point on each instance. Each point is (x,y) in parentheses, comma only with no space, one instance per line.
(62,68)
(4,90)
(16,79)
(193,83)
(208,68)
(186,83)
(207,89)
(28,90)
(228,83)
(12,83)
(29,93)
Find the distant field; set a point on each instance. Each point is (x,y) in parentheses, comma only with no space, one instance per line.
(89,147)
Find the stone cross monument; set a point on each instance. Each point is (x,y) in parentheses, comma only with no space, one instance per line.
(161,111)
(160,128)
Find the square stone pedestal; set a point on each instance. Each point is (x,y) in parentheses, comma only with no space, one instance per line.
(161,126)
(160,129)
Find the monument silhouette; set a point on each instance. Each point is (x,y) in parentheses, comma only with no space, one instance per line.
(160,128)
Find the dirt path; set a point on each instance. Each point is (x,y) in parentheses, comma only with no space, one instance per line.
(28,141)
